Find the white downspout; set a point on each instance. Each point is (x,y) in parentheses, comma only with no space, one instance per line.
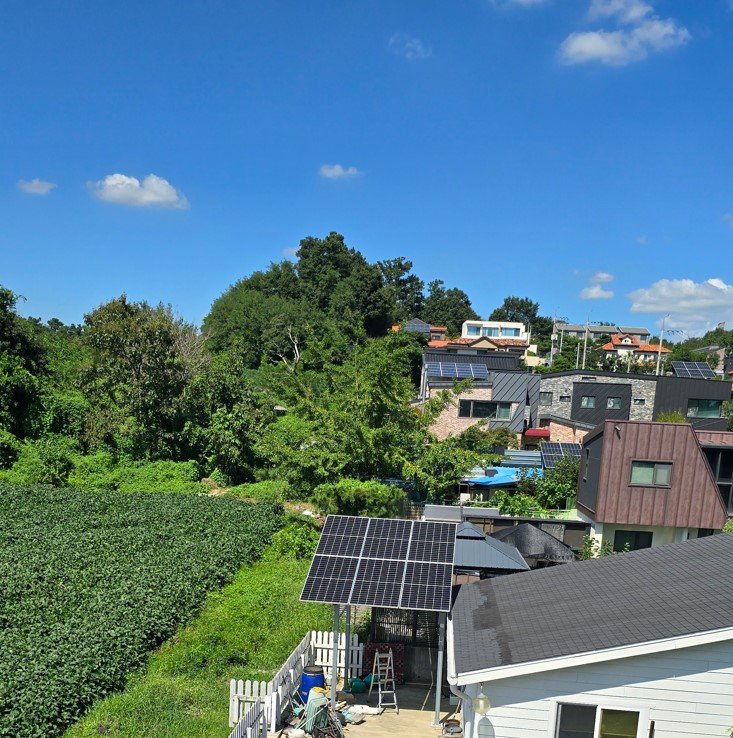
(466,710)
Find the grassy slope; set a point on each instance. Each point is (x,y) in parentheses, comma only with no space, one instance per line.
(245,631)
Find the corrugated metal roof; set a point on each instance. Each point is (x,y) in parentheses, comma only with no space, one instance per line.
(475,550)
(615,601)
(535,543)
(522,458)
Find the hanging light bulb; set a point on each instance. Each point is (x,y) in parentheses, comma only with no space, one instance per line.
(481,703)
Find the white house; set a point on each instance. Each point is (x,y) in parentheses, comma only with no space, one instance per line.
(503,336)
(635,645)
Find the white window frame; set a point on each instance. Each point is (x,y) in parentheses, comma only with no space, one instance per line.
(600,703)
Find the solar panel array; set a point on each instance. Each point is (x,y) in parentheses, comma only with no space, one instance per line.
(456,370)
(407,564)
(694,369)
(553,452)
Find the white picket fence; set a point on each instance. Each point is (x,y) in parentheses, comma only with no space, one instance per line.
(252,702)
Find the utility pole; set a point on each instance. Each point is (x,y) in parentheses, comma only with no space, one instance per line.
(585,340)
(661,341)
(577,357)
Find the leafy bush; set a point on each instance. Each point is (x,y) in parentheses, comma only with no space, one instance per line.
(353,497)
(672,416)
(159,476)
(92,582)
(728,527)
(9,448)
(270,490)
(515,503)
(47,461)
(296,540)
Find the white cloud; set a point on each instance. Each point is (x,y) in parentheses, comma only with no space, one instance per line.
(642,33)
(693,306)
(291,252)
(152,192)
(413,49)
(36,186)
(602,278)
(595,292)
(626,11)
(336,171)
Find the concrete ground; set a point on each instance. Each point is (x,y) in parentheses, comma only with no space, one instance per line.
(414,719)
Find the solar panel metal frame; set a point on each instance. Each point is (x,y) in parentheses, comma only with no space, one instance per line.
(692,369)
(404,564)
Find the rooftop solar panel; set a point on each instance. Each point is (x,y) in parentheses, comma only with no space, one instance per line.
(693,369)
(389,563)
(552,452)
(456,370)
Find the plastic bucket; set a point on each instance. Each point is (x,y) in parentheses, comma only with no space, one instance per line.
(312,677)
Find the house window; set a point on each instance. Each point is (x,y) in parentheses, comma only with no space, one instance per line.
(564,398)
(651,473)
(613,403)
(631,540)
(588,379)
(704,408)
(638,401)
(490,332)
(586,464)
(482,409)
(511,332)
(588,401)
(473,330)
(590,721)
(545,399)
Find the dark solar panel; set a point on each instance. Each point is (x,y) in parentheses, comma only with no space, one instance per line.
(693,369)
(456,370)
(389,563)
(553,452)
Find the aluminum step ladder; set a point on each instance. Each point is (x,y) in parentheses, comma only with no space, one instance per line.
(383,673)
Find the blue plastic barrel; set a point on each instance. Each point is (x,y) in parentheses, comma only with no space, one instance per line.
(312,677)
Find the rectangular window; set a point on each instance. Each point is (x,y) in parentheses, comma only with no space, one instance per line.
(651,473)
(564,398)
(704,408)
(484,409)
(631,540)
(590,721)
(490,332)
(473,330)
(588,401)
(639,401)
(545,399)
(511,332)
(613,403)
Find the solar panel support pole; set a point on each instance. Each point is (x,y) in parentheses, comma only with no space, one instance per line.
(335,654)
(439,668)
(347,654)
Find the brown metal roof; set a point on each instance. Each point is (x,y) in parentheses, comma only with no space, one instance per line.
(691,501)
(715,438)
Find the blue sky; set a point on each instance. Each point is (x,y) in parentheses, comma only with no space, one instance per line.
(553,148)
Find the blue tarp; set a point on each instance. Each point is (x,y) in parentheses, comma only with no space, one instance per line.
(501,476)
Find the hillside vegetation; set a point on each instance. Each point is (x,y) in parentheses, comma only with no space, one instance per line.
(93,582)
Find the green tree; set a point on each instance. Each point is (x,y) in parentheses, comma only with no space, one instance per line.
(448,307)
(407,289)
(357,497)
(22,361)
(136,377)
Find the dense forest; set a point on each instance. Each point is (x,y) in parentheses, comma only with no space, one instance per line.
(294,383)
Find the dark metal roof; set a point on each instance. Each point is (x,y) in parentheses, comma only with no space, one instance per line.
(534,543)
(496,360)
(475,550)
(649,595)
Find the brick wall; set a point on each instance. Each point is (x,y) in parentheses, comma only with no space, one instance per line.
(449,424)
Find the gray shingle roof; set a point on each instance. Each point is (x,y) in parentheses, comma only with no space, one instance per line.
(534,543)
(620,600)
(475,550)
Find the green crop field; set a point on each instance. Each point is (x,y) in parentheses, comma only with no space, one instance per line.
(91,582)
